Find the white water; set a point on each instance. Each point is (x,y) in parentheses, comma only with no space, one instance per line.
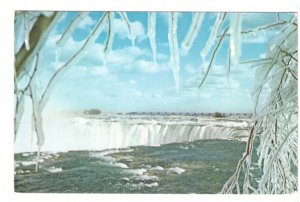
(108,131)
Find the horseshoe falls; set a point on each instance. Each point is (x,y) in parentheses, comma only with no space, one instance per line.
(113,131)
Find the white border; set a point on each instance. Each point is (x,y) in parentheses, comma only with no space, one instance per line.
(6,86)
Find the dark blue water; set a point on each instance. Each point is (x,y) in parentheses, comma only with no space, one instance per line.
(193,167)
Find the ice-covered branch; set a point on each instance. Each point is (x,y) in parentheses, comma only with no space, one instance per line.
(38,35)
(261,28)
(131,34)
(19,110)
(27,31)
(235,38)
(72,26)
(110,34)
(193,31)
(152,32)
(277,118)
(213,35)
(173,44)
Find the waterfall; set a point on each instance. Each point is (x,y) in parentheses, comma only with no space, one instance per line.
(109,131)
(108,134)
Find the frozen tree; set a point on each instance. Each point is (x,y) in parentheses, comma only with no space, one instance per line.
(269,164)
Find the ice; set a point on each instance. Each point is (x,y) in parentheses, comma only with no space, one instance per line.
(235,38)
(176,170)
(213,35)
(261,73)
(27,31)
(151,33)
(193,31)
(19,32)
(19,113)
(174,53)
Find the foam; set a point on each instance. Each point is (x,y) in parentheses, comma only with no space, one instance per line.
(54,169)
(140,171)
(28,163)
(176,170)
(157,168)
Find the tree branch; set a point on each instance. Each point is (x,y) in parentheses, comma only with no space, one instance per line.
(39,32)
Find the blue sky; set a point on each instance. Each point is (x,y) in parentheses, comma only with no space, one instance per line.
(131,81)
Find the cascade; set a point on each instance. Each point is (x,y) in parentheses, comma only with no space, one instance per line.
(100,132)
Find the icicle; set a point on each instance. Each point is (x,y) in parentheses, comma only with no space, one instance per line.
(37,159)
(27,31)
(151,33)
(213,35)
(131,34)
(235,38)
(193,31)
(19,112)
(173,43)
(73,25)
(110,35)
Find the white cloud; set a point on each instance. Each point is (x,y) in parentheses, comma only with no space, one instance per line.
(100,71)
(132,82)
(86,22)
(151,67)
(190,69)
(121,29)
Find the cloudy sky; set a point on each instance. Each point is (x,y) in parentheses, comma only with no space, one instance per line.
(131,81)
